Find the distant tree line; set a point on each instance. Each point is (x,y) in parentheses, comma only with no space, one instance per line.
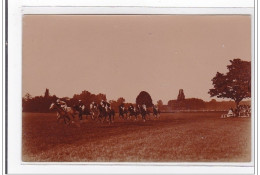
(42,103)
(37,103)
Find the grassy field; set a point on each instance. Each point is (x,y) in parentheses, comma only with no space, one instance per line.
(177,137)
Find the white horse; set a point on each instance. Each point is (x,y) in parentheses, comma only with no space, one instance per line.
(65,113)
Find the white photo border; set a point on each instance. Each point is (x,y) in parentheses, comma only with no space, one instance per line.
(15,164)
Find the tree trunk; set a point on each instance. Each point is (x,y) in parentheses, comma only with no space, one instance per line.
(237,103)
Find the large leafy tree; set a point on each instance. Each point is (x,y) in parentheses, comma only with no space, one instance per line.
(235,84)
(144,98)
(120,100)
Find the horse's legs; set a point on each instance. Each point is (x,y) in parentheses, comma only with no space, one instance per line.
(58,118)
(72,115)
(66,117)
(135,116)
(143,116)
(80,115)
(121,116)
(100,117)
(105,118)
(110,116)
(92,116)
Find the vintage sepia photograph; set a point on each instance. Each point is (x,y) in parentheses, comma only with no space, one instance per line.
(136,88)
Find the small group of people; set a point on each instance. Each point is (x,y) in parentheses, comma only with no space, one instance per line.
(240,111)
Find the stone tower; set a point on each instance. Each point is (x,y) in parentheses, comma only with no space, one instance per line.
(181,95)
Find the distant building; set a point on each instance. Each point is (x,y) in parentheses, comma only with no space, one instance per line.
(181,95)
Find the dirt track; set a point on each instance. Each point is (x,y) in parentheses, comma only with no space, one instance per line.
(178,137)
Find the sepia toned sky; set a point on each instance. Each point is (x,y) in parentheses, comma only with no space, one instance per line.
(121,55)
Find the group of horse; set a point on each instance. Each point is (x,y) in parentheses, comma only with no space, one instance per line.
(102,113)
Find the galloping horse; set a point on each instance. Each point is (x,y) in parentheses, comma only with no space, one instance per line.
(121,112)
(103,112)
(94,111)
(125,111)
(156,112)
(82,111)
(143,112)
(63,113)
(132,112)
(110,113)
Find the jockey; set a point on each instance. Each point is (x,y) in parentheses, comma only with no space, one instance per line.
(108,105)
(81,109)
(121,107)
(103,103)
(144,107)
(81,105)
(131,107)
(93,105)
(62,104)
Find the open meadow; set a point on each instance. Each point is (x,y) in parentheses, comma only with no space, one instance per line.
(174,137)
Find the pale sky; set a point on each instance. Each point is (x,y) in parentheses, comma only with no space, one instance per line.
(122,55)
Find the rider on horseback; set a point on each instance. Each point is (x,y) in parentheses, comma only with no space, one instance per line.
(93,105)
(81,105)
(81,109)
(61,104)
(103,103)
(121,110)
(108,105)
(155,107)
(121,106)
(131,107)
(144,107)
